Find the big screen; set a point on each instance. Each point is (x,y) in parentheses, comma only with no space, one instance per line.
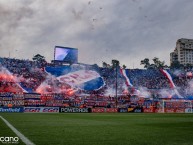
(66,54)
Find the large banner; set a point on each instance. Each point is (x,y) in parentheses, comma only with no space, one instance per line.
(111,110)
(71,79)
(148,110)
(98,110)
(12,110)
(41,109)
(188,110)
(34,96)
(103,110)
(135,110)
(75,110)
(174,110)
(13,102)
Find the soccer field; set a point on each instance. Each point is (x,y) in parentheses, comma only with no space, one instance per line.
(101,129)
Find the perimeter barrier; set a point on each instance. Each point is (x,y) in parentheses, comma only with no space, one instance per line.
(91,110)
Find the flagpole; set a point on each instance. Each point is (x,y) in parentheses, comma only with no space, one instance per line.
(116,87)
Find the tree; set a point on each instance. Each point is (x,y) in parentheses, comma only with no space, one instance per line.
(124,66)
(145,62)
(176,65)
(157,64)
(39,58)
(115,63)
(105,64)
(188,66)
(152,66)
(95,66)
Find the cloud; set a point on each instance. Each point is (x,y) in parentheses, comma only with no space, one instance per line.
(102,30)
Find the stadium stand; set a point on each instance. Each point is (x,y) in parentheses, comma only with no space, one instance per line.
(87,85)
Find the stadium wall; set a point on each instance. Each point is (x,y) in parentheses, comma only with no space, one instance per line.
(90,110)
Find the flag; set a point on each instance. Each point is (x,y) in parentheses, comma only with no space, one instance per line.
(125,73)
(88,80)
(172,85)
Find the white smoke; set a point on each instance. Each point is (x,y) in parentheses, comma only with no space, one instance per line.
(49,85)
(110,92)
(178,72)
(143,92)
(189,88)
(167,93)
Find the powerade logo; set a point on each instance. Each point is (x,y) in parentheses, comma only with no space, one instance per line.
(74,110)
(9,140)
(6,109)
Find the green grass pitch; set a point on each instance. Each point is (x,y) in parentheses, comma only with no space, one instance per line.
(102,129)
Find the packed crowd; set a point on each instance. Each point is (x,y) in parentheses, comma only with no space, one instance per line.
(151,79)
(30,75)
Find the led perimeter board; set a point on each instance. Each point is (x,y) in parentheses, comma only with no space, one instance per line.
(66,54)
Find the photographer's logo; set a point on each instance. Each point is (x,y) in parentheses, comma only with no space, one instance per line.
(9,140)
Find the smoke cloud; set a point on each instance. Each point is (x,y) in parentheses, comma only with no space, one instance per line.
(101,30)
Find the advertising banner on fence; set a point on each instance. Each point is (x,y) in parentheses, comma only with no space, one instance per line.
(41,109)
(180,110)
(12,110)
(159,110)
(13,102)
(122,110)
(188,110)
(138,110)
(98,110)
(135,110)
(174,110)
(148,110)
(111,110)
(169,110)
(75,110)
(130,109)
(103,110)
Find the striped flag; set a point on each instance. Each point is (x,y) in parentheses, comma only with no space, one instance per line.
(125,73)
(172,85)
(168,76)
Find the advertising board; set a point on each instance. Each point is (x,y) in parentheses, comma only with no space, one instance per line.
(98,110)
(66,54)
(122,110)
(74,110)
(41,109)
(111,110)
(12,110)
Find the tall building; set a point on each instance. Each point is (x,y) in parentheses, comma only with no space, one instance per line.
(183,52)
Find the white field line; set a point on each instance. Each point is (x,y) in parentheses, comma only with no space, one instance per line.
(19,134)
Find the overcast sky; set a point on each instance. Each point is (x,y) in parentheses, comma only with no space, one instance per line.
(102,30)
